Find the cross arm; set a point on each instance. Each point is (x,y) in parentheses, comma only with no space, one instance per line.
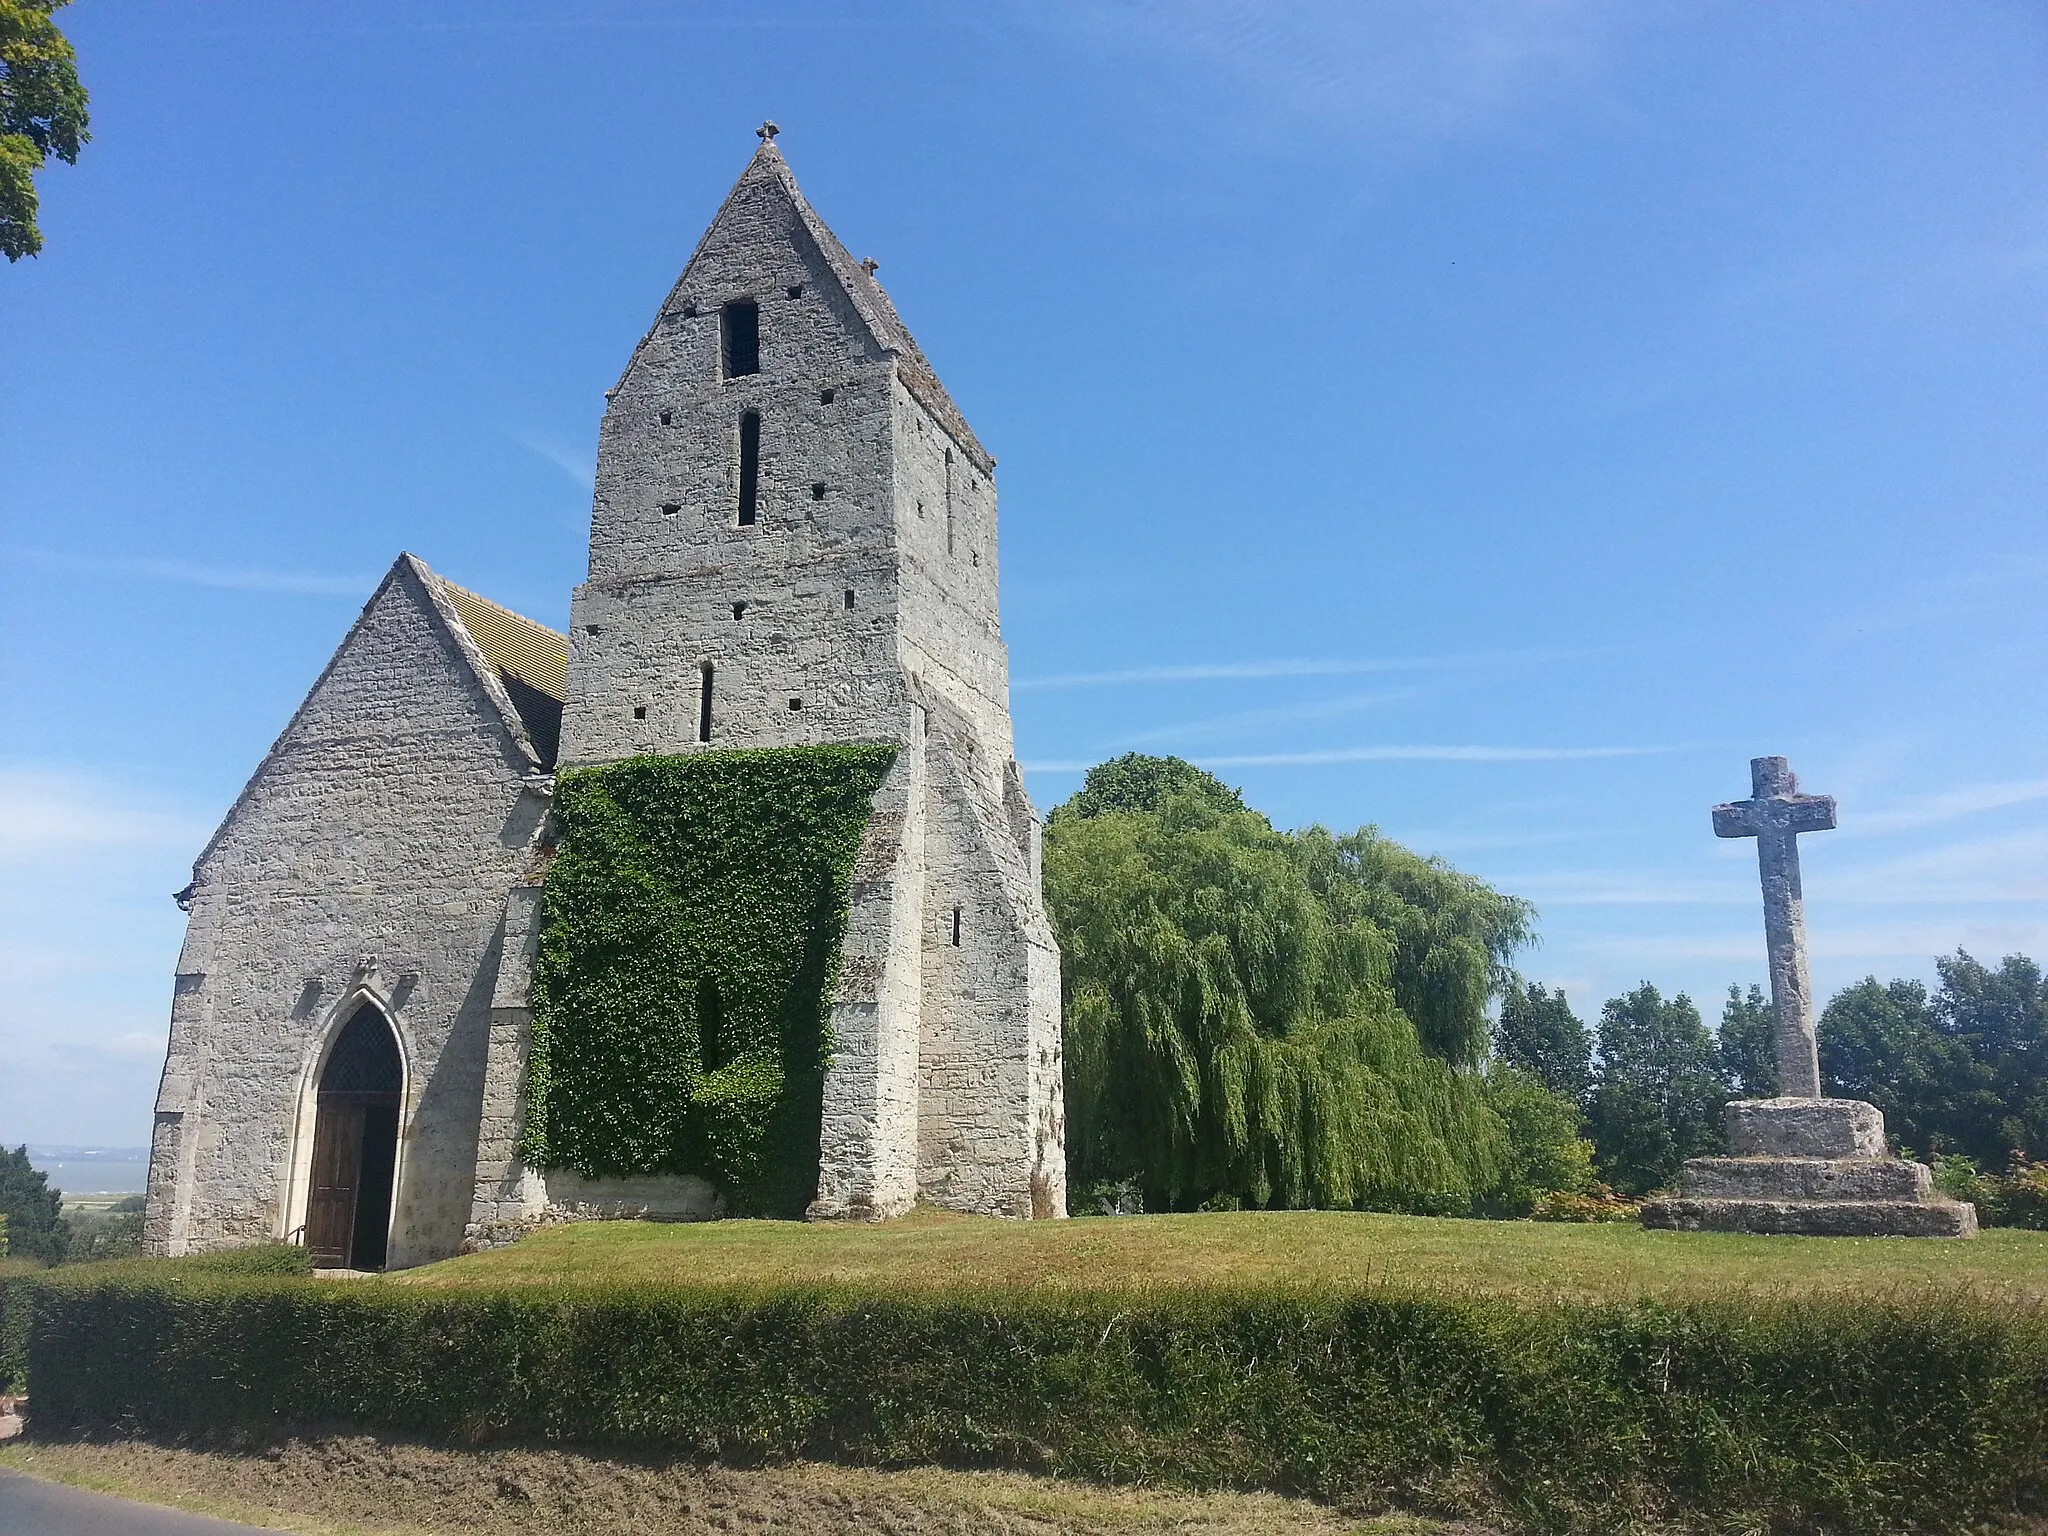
(1809,813)
(1776,813)
(1737,820)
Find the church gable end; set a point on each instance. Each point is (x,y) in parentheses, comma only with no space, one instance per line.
(380,835)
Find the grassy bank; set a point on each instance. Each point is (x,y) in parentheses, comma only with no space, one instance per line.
(1338,1249)
(355,1485)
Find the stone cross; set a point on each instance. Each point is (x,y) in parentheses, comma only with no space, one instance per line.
(1775,814)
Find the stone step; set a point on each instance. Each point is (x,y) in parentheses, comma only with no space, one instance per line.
(1815,1218)
(1805,1178)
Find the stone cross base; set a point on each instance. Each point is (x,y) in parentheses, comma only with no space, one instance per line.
(1809,1167)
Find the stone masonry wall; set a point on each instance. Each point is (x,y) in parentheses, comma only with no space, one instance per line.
(799,606)
(391,819)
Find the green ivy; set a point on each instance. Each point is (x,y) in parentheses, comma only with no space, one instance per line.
(690,933)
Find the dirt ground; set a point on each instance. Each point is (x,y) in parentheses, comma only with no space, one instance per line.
(356,1485)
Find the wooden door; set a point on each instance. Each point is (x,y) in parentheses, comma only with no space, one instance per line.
(337,1165)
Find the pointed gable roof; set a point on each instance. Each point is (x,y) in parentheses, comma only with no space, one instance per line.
(520,667)
(523,666)
(862,292)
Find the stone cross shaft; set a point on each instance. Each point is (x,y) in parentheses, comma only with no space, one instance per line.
(1775,814)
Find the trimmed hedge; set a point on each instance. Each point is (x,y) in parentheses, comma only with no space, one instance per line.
(1864,1416)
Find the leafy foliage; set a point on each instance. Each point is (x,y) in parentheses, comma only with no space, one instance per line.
(691,931)
(42,113)
(2016,1198)
(1546,1154)
(1269,1018)
(1136,782)
(1539,1034)
(1963,1071)
(113,1233)
(36,1228)
(1593,1204)
(1861,1414)
(1658,1097)
(1746,1044)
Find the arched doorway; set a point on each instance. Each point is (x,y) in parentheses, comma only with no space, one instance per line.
(355,1145)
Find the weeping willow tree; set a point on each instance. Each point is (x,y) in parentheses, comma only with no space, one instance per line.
(1272,1018)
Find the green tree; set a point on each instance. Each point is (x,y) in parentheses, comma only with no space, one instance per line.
(1237,1005)
(1545,1150)
(1136,782)
(1539,1034)
(42,113)
(2001,1018)
(1879,1042)
(1658,1093)
(1745,1045)
(35,1212)
(114,1233)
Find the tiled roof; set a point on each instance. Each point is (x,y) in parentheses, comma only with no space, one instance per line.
(515,645)
(531,662)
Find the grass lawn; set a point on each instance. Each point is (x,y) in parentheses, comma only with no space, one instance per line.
(1313,1248)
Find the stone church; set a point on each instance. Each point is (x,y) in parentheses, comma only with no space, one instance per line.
(793,541)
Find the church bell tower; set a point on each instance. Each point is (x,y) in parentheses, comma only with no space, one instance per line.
(793,541)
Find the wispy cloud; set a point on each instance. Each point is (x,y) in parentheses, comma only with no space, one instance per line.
(581,468)
(1389,754)
(1240,671)
(1429,755)
(1625,888)
(191,574)
(2010,867)
(1258,719)
(1949,805)
(55,813)
(1406,70)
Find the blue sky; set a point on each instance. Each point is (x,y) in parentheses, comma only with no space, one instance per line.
(1493,421)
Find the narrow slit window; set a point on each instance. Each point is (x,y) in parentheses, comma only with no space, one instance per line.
(949,501)
(818,490)
(849,597)
(704,702)
(710,1024)
(750,466)
(739,610)
(739,336)
(956,927)
(666,418)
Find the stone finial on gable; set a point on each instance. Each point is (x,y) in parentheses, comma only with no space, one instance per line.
(767,131)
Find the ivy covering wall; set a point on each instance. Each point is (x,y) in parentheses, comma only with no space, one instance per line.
(690,934)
